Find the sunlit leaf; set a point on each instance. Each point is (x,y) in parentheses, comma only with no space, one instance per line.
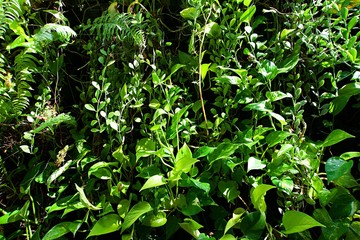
(191,226)
(257,196)
(336,167)
(295,222)
(236,218)
(84,199)
(335,137)
(107,224)
(190,13)
(135,212)
(154,181)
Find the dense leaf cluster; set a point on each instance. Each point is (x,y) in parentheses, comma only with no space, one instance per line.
(179,119)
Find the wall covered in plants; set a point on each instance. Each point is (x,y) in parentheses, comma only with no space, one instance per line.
(192,119)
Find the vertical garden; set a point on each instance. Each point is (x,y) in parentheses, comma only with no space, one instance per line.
(188,119)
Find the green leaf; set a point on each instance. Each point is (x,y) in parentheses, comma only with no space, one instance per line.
(248,14)
(268,69)
(236,218)
(191,226)
(276,137)
(135,212)
(84,199)
(254,164)
(285,184)
(184,159)
(55,121)
(285,32)
(288,64)
(154,181)
(253,225)
(350,155)
(228,237)
(144,148)
(107,224)
(335,137)
(223,151)
(58,172)
(277,95)
(229,189)
(153,220)
(336,167)
(61,229)
(204,70)
(257,196)
(190,13)
(213,29)
(123,207)
(247,2)
(295,222)
(90,107)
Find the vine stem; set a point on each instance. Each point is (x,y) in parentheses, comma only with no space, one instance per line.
(200,74)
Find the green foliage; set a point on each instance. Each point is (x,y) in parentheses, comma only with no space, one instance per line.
(194,119)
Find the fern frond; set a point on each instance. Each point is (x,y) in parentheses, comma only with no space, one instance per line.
(121,26)
(13,10)
(52,32)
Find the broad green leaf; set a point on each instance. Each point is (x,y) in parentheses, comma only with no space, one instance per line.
(253,225)
(175,122)
(228,237)
(135,212)
(236,218)
(153,220)
(257,196)
(123,207)
(184,159)
(204,70)
(10,217)
(336,167)
(190,13)
(101,170)
(213,29)
(248,14)
(350,155)
(107,224)
(285,32)
(343,204)
(353,21)
(61,229)
(84,199)
(354,232)
(335,137)
(284,184)
(229,189)
(277,95)
(254,164)
(247,2)
(295,222)
(119,155)
(144,148)
(154,181)
(338,104)
(58,172)
(90,107)
(191,226)
(278,117)
(276,137)
(174,69)
(223,151)
(288,64)
(15,215)
(268,69)
(203,151)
